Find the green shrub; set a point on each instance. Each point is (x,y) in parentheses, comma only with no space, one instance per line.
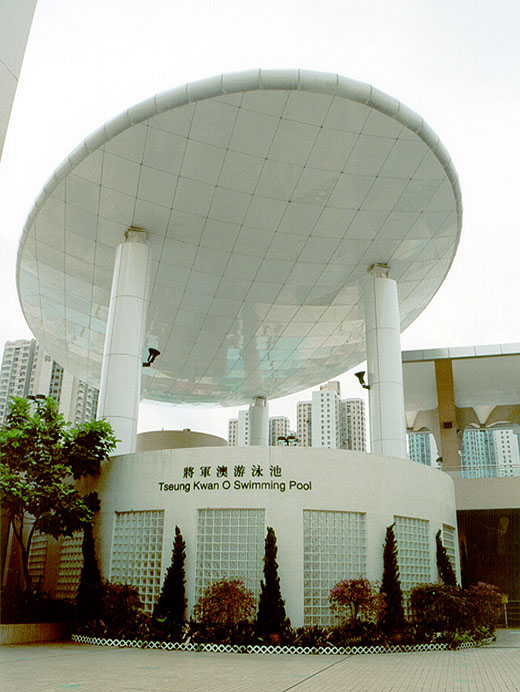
(271,620)
(120,615)
(19,607)
(311,635)
(438,608)
(170,610)
(391,615)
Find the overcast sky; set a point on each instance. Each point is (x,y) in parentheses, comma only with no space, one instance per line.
(455,62)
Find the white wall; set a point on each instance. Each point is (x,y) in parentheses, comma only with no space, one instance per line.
(341,480)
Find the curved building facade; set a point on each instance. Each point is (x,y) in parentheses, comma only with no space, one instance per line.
(329,509)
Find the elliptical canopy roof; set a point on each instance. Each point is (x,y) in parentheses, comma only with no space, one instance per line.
(266,196)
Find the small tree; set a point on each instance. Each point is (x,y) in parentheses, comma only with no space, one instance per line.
(40,454)
(392,615)
(444,566)
(225,605)
(271,617)
(355,600)
(171,606)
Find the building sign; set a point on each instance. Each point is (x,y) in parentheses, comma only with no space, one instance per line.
(238,477)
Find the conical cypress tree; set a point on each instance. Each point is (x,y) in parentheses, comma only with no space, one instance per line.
(392,618)
(171,606)
(444,566)
(271,617)
(89,599)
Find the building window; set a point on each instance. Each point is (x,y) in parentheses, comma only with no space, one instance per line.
(230,544)
(413,545)
(334,548)
(137,553)
(71,563)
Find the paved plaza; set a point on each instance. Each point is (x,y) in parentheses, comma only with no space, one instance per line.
(66,666)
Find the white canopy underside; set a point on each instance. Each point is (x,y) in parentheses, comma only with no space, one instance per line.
(266,195)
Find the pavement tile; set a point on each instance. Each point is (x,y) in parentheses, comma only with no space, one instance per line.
(56,667)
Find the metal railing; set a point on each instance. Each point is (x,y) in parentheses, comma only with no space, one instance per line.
(511,615)
(485,471)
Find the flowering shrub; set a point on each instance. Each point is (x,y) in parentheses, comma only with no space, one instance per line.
(356,601)
(224,609)
(485,605)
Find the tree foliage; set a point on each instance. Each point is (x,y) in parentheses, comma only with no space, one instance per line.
(225,604)
(40,455)
(355,600)
(392,615)
(444,566)
(171,606)
(271,617)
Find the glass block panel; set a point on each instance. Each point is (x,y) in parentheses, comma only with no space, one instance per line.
(222,552)
(448,541)
(413,545)
(334,548)
(37,558)
(71,563)
(135,559)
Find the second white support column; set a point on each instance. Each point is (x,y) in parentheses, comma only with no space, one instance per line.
(259,423)
(121,371)
(384,367)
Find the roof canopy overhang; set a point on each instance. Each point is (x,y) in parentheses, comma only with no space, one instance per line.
(266,196)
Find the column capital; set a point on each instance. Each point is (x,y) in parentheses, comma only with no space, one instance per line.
(379,270)
(136,235)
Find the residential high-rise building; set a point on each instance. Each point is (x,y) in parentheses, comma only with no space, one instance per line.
(233,432)
(326,416)
(478,458)
(16,373)
(329,421)
(354,424)
(27,370)
(278,427)
(420,447)
(490,453)
(243,428)
(238,429)
(507,452)
(304,423)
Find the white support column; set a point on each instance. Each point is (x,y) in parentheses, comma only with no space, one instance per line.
(120,388)
(259,423)
(384,367)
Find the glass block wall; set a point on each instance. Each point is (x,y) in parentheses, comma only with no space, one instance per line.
(136,553)
(230,543)
(448,541)
(413,545)
(71,562)
(334,548)
(37,558)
